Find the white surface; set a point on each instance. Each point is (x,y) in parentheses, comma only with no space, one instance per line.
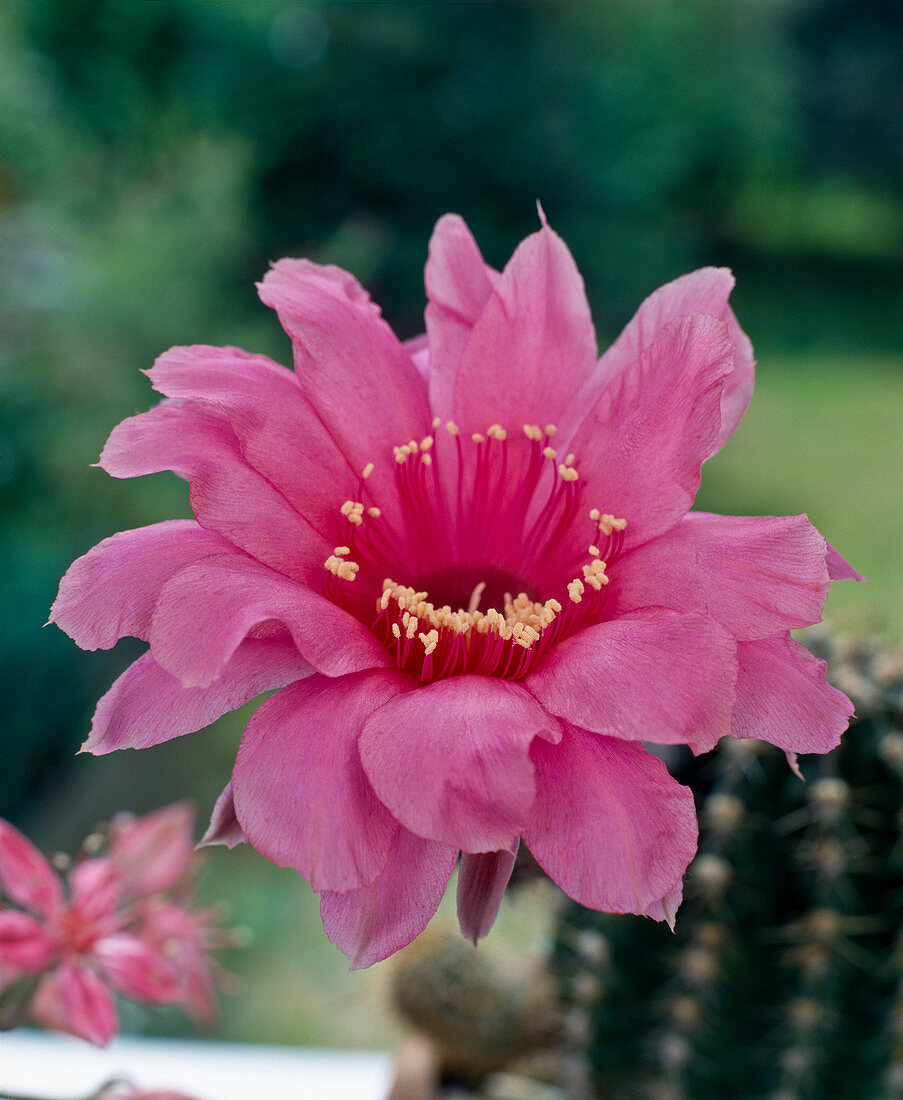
(54,1066)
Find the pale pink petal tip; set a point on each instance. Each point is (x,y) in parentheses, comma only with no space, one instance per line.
(839,569)
(224,827)
(666,908)
(793,762)
(481,885)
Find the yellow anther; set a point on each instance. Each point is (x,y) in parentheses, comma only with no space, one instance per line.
(551,429)
(569,461)
(576,590)
(555,606)
(568,473)
(396,630)
(367,471)
(374,512)
(550,452)
(347,507)
(401,455)
(594,515)
(355,520)
(411,627)
(436,422)
(426,442)
(427,460)
(609,523)
(496,431)
(430,641)
(533,431)
(451,427)
(477,438)
(595,551)
(341,551)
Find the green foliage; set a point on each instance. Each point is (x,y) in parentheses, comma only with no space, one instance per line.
(784,977)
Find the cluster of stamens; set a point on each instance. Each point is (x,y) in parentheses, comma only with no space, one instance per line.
(439,641)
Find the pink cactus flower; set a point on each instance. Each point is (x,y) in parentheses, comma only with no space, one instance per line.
(469,566)
(78,946)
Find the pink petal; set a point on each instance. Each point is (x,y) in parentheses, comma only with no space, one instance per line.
(147,705)
(26,876)
(839,569)
(640,449)
(24,943)
(153,853)
(755,575)
(280,434)
(356,375)
(482,879)
(372,922)
(450,760)
(533,345)
(458,286)
(74,1000)
(94,890)
(195,440)
(659,677)
(610,825)
(110,592)
(301,796)
(137,969)
(224,828)
(783,698)
(665,908)
(205,612)
(705,291)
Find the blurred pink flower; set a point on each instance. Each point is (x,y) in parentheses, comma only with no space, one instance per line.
(468,563)
(114,927)
(124,1090)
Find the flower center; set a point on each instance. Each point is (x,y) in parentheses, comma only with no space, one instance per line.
(432,571)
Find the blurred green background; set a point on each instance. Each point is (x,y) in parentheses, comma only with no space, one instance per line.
(155,157)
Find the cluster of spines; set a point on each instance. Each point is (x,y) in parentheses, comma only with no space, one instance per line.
(784,980)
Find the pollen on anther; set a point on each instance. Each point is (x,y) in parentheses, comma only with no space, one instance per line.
(551,429)
(426,442)
(396,630)
(427,460)
(550,452)
(568,473)
(341,551)
(477,438)
(451,427)
(608,523)
(496,431)
(595,551)
(576,590)
(594,514)
(436,423)
(367,471)
(374,512)
(533,431)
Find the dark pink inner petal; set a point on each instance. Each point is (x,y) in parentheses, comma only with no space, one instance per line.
(618,839)
(467,781)
(482,879)
(783,697)
(301,796)
(372,922)
(654,676)
(147,705)
(111,591)
(755,575)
